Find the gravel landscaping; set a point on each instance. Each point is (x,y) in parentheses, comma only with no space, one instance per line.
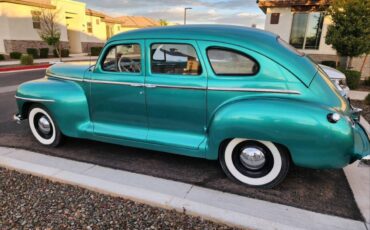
(30,202)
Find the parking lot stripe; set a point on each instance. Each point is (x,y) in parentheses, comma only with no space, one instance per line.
(210,204)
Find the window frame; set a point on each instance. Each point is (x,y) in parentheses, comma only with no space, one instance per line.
(89,27)
(36,19)
(318,31)
(172,74)
(274,18)
(235,51)
(108,49)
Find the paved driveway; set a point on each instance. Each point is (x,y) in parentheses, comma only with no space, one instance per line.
(324,191)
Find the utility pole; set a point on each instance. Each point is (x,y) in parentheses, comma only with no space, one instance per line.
(185,9)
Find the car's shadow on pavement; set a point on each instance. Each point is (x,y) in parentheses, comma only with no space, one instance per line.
(325,191)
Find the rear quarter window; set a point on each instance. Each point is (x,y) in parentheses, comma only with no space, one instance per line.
(229,62)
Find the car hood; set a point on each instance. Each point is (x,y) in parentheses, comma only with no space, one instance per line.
(70,70)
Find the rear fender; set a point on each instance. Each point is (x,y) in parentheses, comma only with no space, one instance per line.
(300,126)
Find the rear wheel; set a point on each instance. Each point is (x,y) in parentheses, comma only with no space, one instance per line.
(43,127)
(255,163)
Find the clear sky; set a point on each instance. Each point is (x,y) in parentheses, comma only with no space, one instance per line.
(236,12)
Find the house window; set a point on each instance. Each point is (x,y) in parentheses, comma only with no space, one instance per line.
(306,30)
(118,28)
(275,18)
(89,27)
(36,19)
(97,21)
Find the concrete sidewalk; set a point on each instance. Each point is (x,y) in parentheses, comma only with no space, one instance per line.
(215,205)
(52,60)
(357,95)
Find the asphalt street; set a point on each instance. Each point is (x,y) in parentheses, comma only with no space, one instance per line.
(324,191)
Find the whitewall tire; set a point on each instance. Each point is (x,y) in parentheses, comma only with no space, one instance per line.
(254,162)
(43,127)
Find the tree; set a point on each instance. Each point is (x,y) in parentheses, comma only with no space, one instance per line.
(163,22)
(49,30)
(350,32)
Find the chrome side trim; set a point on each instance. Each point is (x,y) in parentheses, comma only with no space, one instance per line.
(34,99)
(256,90)
(65,78)
(114,82)
(175,87)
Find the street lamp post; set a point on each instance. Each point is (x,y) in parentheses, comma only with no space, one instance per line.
(185,9)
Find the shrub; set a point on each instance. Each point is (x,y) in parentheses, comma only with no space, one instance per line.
(95,51)
(34,52)
(352,77)
(367,99)
(44,52)
(329,63)
(367,81)
(26,59)
(15,55)
(2,57)
(64,53)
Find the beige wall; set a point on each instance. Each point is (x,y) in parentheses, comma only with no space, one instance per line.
(285,22)
(99,33)
(284,27)
(16,25)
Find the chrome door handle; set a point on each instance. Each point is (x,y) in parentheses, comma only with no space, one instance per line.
(136,84)
(150,86)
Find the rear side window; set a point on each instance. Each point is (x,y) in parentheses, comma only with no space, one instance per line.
(175,59)
(226,62)
(123,58)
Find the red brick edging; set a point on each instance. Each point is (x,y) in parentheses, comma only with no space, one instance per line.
(30,67)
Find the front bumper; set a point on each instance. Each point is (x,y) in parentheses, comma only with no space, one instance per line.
(18,118)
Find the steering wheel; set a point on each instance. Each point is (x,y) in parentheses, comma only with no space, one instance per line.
(128,65)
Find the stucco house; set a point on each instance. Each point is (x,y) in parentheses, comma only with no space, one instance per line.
(303,24)
(81,28)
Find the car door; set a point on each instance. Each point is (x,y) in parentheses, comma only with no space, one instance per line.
(117,92)
(175,93)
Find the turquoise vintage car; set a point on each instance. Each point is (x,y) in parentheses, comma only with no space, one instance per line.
(238,95)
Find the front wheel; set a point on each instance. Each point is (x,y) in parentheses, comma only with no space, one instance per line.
(255,163)
(43,127)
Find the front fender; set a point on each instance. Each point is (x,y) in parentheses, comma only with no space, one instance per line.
(300,126)
(65,100)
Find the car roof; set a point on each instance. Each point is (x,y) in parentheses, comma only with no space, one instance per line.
(261,41)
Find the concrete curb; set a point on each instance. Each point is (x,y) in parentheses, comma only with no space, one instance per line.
(23,68)
(210,204)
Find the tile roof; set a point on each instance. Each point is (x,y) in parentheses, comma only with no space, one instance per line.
(137,21)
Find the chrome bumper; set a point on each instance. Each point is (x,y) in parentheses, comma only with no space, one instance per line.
(364,162)
(18,118)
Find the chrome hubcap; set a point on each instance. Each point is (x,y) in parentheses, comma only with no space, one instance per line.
(252,158)
(44,125)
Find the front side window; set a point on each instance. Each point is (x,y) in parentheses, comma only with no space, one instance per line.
(306,30)
(230,62)
(123,58)
(178,59)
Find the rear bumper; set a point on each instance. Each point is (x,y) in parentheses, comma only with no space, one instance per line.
(361,144)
